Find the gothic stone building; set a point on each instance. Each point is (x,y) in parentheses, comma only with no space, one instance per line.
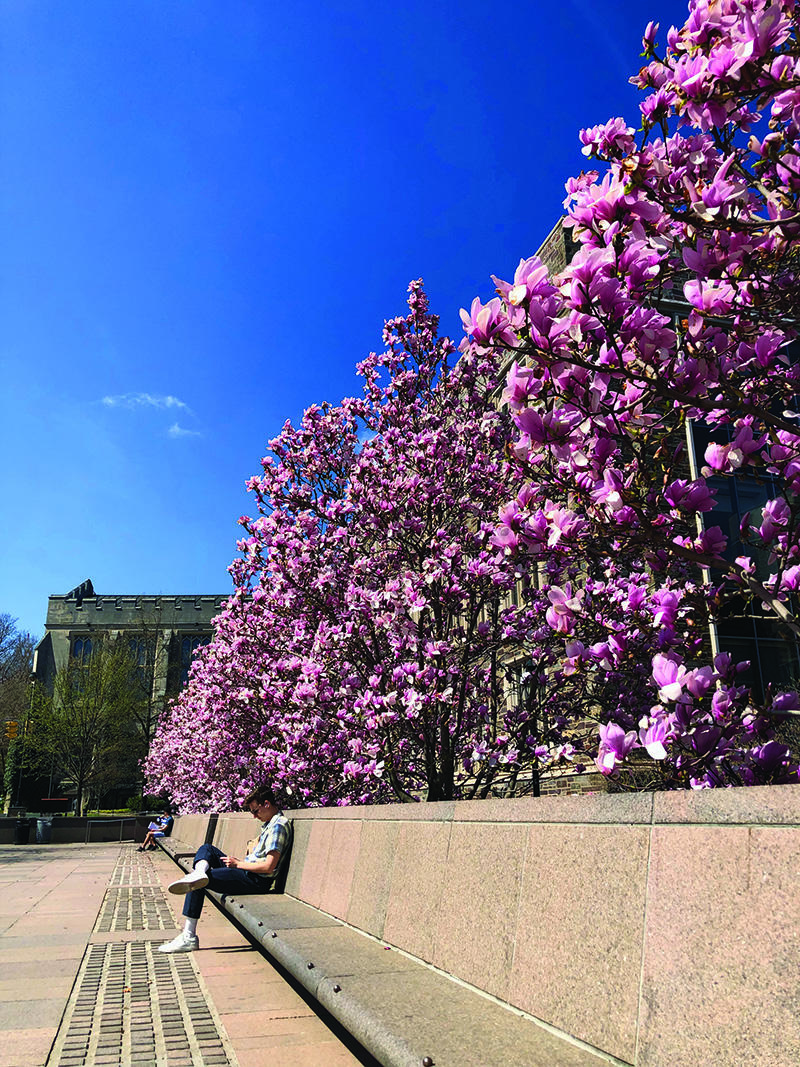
(162,632)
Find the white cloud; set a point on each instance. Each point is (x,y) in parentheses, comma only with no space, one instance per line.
(176,430)
(140,401)
(144,400)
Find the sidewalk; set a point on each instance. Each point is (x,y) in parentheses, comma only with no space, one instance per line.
(82,985)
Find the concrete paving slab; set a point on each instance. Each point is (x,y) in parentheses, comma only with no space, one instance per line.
(33,992)
(587,955)
(692,1006)
(22,953)
(46,968)
(320,1054)
(25,1048)
(477,924)
(42,938)
(416,888)
(18,1014)
(341,868)
(315,867)
(372,879)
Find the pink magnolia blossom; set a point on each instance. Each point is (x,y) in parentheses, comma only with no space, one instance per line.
(615,745)
(670,675)
(563,608)
(655,731)
(488,323)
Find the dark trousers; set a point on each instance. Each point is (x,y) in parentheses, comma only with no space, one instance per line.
(222,879)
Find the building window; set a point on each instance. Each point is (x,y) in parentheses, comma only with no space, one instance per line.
(189,645)
(141,651)
(142,654)
(518,683)
(82,649)
(774,655)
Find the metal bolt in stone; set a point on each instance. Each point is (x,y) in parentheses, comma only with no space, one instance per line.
(337,989)
(310,966)
(427,1062)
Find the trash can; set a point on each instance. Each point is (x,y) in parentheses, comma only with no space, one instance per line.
(44,828)
(22,831)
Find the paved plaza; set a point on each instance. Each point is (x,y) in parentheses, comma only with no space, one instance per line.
(81,982)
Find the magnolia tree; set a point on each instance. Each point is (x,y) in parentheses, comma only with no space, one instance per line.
(249,695)
(366,652)
(673,323)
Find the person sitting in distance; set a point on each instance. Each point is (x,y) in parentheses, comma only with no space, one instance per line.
(227,874)
(161,826)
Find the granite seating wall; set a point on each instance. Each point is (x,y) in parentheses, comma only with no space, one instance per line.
(660,929)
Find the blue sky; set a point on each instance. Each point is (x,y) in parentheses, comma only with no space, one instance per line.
(208,211)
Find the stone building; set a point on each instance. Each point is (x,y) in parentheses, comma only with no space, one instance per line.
(162,632)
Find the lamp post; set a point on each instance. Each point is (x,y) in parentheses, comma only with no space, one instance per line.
(527,690)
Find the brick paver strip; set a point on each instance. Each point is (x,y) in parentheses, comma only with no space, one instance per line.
(130,1003)
(141,1010)
(134,909)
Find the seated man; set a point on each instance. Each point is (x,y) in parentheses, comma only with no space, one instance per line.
(227,874)
(161,826)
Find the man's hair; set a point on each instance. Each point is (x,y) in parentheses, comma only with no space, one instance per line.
(262,795)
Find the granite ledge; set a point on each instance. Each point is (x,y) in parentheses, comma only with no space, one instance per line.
(761,805)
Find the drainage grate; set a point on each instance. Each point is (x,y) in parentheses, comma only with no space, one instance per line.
(134,1005)
(134,908)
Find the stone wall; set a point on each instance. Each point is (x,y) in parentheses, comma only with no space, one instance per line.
(663,929)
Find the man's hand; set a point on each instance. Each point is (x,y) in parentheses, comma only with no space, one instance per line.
(230,861)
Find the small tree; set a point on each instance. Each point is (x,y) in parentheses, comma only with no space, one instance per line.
(430,628)
(87,729)
(148,655)
(16,661)
(247,706)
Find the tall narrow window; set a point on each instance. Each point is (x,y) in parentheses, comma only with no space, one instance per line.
(82,649)
(189,645)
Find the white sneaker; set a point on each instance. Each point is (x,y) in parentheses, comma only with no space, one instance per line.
(182,943)
(193,880)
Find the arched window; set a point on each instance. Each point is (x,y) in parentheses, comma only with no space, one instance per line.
(82,649)
(141,650)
